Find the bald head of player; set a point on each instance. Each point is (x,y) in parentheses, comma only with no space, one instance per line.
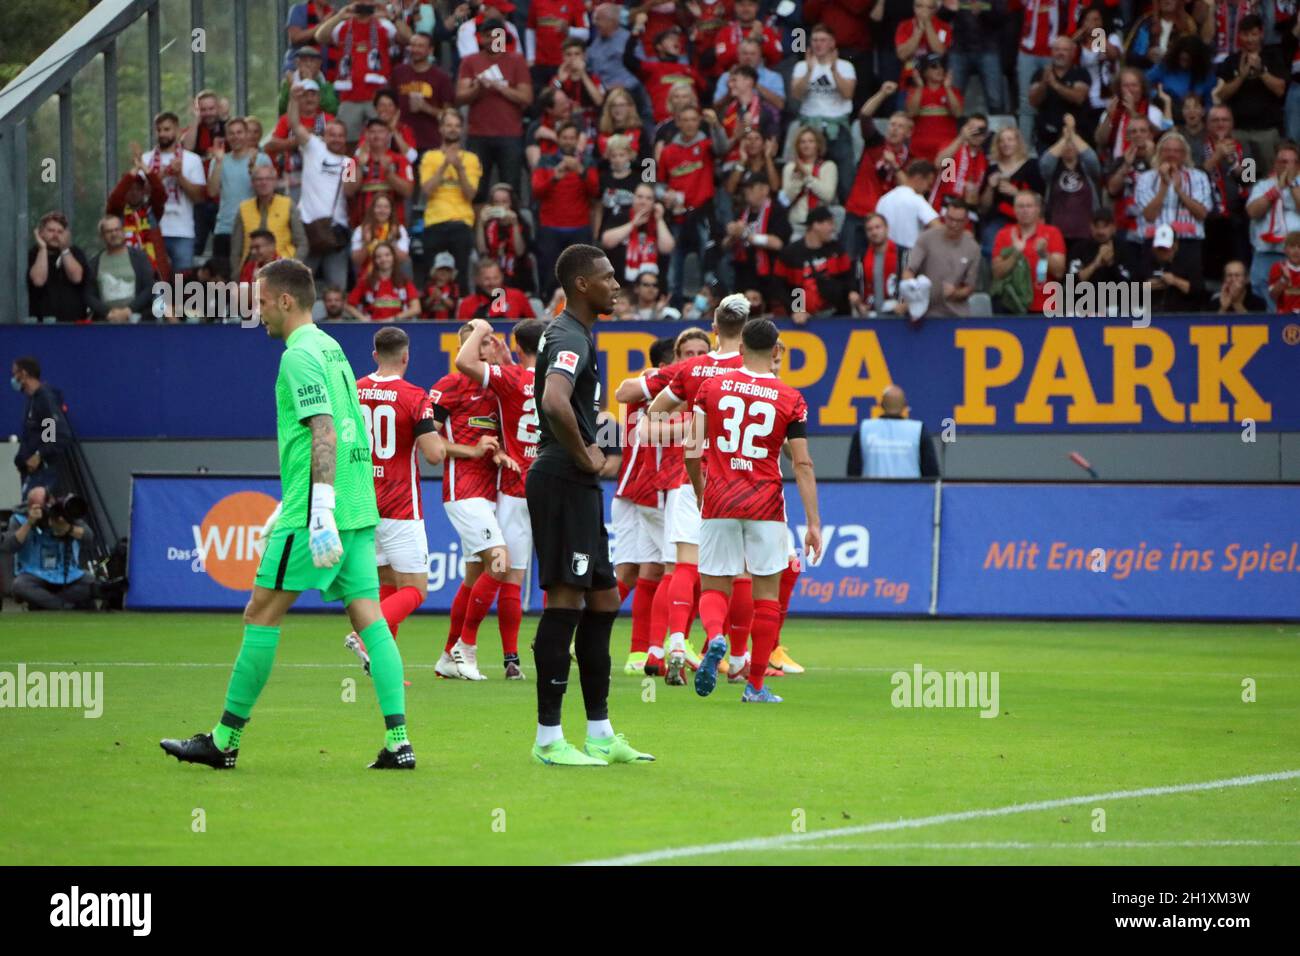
(893,402)
(590,284)
(286,293)
(392,351)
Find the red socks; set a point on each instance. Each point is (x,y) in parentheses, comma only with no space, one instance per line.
(458,605)
(713,613)
(623,592)
(682,595)
(767,631)
(509,615)
(740,615)
(481,598)
(643,599)
(788,577)
(398,605)
(659,612)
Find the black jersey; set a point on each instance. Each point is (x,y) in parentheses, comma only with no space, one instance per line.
(567,348)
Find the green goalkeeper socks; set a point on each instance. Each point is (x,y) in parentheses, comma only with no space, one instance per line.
(252,668)
(386,673)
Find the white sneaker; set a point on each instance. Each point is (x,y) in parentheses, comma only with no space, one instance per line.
(446,667)
(466,658)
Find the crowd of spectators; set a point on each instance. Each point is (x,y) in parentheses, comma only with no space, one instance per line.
(872,158)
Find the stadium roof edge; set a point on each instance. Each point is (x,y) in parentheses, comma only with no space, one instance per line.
(54,68)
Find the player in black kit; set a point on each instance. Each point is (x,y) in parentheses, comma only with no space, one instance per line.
(566,506)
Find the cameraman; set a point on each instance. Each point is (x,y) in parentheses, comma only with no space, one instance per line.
(47,548)
(37,459)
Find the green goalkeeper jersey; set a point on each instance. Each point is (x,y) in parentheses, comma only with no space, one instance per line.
(316,379)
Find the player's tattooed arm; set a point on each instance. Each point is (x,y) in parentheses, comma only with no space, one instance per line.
(324,455)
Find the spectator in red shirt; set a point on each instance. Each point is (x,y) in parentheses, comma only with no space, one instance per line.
(1029,239)
(686,166)
(491,299)
(361,41)
(379,171)
(495,83)
(209,113)
(619,117)
(424,89)
(541,138)
(401,138)
(1284,278)
(661,72)
(441,293)
(923,33)
(726,44)
(282,147)
(935,106)
(384,295)
(879,167)
(551,23)
(261,250)
(564,187)
(502,235)
(584,90)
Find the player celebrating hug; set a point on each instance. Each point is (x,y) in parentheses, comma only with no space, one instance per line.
(324,537)
(513,387)
(469,416)
(742,419)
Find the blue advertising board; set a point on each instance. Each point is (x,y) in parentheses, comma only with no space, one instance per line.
(1083,550)
(1180,374)
(195,543)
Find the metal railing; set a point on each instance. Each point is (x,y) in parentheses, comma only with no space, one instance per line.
(58,149)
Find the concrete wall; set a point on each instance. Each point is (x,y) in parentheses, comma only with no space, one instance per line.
(1208,457)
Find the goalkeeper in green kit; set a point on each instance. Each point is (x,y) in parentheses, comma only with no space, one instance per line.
(324,536)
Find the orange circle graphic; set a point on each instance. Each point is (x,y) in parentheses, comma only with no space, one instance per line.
(229,533)
(1291,334)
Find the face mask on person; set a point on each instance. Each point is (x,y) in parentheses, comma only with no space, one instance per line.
(701,303)
(15,384)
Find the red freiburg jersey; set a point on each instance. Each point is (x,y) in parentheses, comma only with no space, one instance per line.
(513,387)
(396,414)
(639,468)
(748,415)
(466,411)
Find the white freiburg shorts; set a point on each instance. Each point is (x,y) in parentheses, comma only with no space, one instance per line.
(681,517)
(730,545)
(516,529)
(402,544)
(475,520)
(638,532)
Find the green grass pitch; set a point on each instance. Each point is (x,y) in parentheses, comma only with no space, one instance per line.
(1086,709)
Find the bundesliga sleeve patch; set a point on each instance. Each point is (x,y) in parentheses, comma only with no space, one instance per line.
(568,361)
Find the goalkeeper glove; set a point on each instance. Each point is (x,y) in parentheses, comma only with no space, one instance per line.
(270,522)
(322,533)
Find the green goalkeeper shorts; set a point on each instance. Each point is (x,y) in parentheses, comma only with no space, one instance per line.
(287,566)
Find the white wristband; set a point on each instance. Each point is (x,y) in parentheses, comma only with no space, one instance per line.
(322,496)
(759,240)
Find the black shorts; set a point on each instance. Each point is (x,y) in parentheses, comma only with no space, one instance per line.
(569,533)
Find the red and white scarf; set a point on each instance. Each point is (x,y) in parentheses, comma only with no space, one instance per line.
(500,245)
(757,223)
(1218,181)
(376,66)
(169,182)
(890,274)
(1274,231)
(1227,19)
(1042,26)
(969,167)
(1119,129)
(642,256)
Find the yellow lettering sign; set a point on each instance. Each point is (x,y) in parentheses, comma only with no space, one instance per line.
(978,377)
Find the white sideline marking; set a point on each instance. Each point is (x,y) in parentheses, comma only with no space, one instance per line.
(1017,845)
(785,839)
